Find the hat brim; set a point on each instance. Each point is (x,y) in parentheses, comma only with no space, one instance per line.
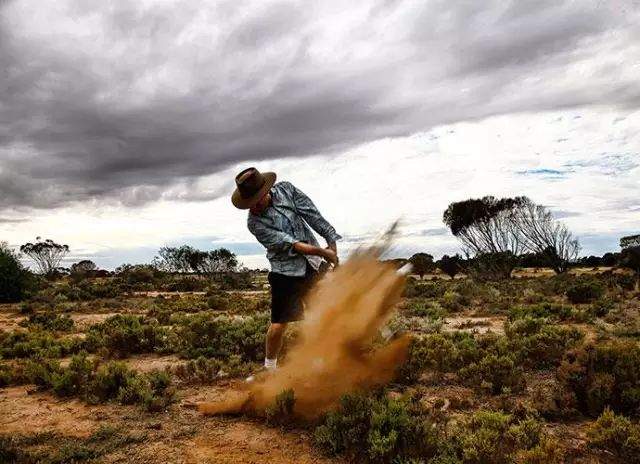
(246,203)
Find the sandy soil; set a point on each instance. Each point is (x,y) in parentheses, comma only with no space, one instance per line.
(474,324)
(24,411)
(83,321)
(10,321)
(179,435)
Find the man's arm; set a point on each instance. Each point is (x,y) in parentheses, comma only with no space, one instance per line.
(326,253)
(310,213)
(278,241)
(271,239)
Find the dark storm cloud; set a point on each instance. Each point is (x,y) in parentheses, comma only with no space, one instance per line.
(118,101)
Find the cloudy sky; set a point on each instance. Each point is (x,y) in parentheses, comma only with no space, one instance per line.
(123,123)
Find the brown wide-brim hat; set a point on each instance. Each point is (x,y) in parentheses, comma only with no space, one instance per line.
(251,186)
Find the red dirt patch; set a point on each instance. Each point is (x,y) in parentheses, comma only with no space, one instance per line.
(22,412)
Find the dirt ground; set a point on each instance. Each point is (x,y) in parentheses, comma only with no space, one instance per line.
(180,435)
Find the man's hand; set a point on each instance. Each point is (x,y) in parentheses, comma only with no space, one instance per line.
(333,247)
(326,253)
(330,255)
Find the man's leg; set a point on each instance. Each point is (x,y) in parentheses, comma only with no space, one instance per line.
(275,337)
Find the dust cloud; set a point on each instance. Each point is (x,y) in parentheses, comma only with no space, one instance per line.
(335,352)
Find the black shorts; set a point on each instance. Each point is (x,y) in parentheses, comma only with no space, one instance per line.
(287,293)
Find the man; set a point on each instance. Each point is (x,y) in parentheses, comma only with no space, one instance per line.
(279,217)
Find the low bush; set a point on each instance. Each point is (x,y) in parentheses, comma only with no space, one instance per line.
(97,383)
(185,284)
(218,302)
(211,335)
(491,361)
(496,437)
(41,343)
(281,411)
(453,301)
(551,310)
(241,280)
(207,370)
(585,292)
(414,289)
(49,320)
(124,334)
(380,429)
(616,434)
(377,429)
(604,375)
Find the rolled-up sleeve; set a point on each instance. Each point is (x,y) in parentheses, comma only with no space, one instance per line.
(310,213)
(271,239)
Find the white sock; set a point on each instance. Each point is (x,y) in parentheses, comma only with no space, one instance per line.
(270,364)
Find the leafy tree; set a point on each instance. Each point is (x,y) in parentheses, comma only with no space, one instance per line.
(590,261)
(450,265)
(175,259)
(214,263)
(630,241)
(13,276)
(83,267)
(46,254)
(630,257)
(422,263)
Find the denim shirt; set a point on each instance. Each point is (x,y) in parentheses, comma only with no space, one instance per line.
(285,222)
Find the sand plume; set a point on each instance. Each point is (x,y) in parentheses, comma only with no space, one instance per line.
(334,354)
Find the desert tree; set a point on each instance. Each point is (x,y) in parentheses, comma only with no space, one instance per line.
(630,256)
(630,241)
(422,263)
(486,228)
(13,276)
(46,254)
(175,259)
(214,263)
(83,267)
(545,236)
(450,265)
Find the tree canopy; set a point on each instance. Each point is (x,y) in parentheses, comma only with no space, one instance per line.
(46,254)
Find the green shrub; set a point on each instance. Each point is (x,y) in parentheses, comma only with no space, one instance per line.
(495,437)
(604,375)
(123,334)
(15,280)
(115,380)
(186,284)
(414,289)
(453,301)
(207,370)
(74,379)
(494,373)
(211,335)
(281,411)
(49,321)
(42,343)
(487,360)
(585,292)
(550,310)
(218,302)
(426,309)
(616,434)
(377,429)
(601,307)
